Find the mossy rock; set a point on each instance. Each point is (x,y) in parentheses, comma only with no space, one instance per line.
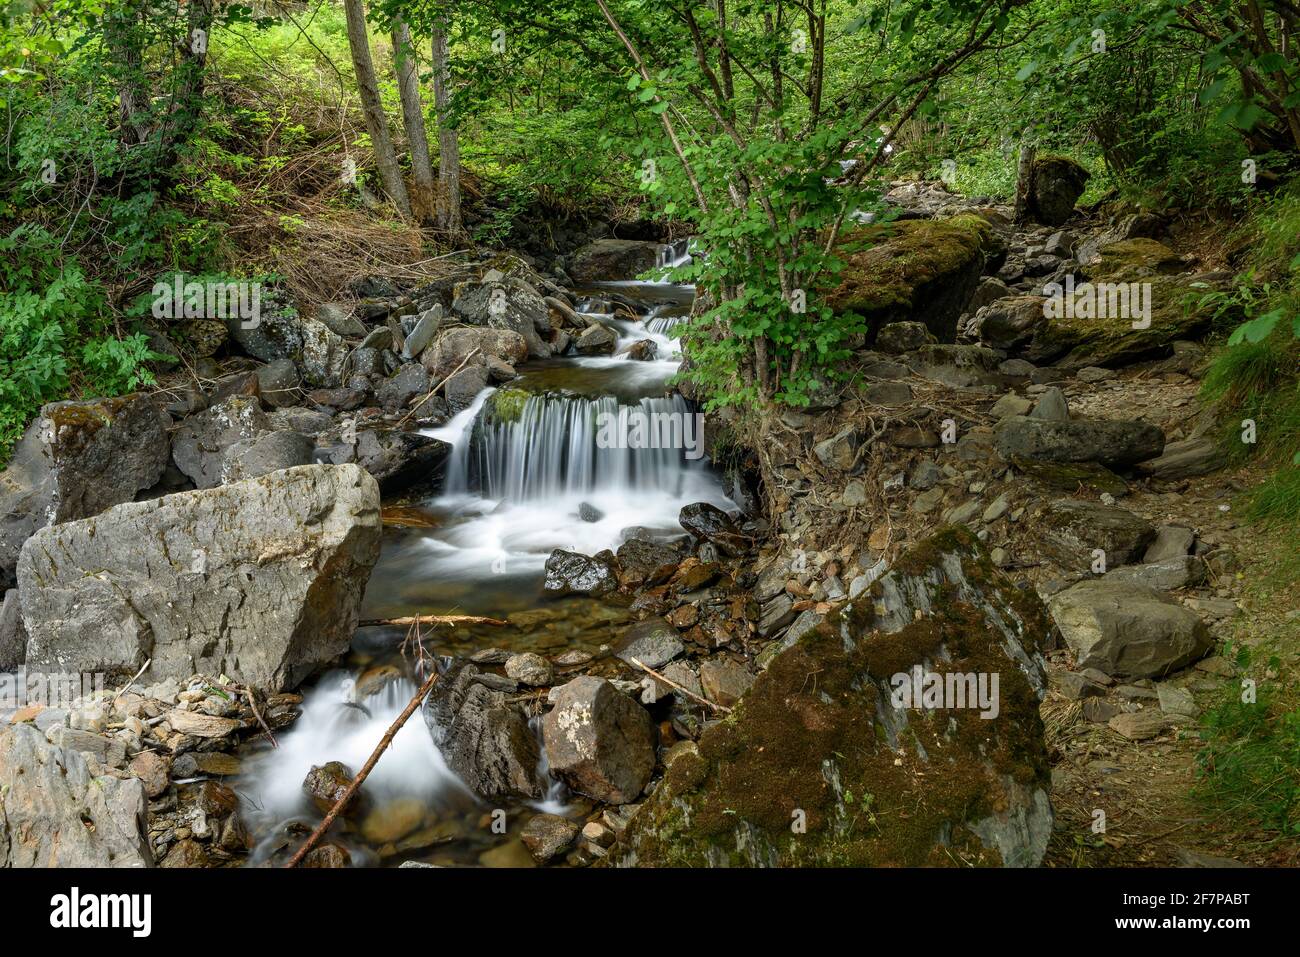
(507,405)
(1175,312)
(1070,476)
(1135,259)
(818,741)
(918,269)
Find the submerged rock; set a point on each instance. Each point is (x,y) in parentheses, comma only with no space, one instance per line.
(261,580)
(834,771)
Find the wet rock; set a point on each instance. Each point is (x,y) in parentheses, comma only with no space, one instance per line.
(648,561)
(462,387)
(1110,443)
(1127,630)
(810,751)
(325,784)
(653,642)
(589,513)
(400,461)
(724,681)
(644,350)
(547,836)
(53,813)
(706,522)
(393,820)
(530,669)
(483,738)
(599,741)
(610,260)
(1056,184)
(596,340)
(75,460)
(572,573)
(327,856)
(261,580)
(187,853)
(895,338)
(1074,528)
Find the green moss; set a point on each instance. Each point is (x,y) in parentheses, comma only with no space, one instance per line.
(507,405)
(1134,259)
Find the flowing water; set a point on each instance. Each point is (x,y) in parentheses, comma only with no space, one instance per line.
(546,461)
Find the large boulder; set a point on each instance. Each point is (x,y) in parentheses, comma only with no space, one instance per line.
(610,260)
(1073,529)
(599,741)
(75,460)
(483,738)
(401,460)
(472,345)
(1112,443)
(1128,630)
(826,761)
(260,580)
(203,440)
(54,813)
(922,270)
(510,304)
(1056,184)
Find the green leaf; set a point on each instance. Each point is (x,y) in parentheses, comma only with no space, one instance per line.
(1026,71)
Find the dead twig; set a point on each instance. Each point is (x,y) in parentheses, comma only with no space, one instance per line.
(673,684)
(431,620)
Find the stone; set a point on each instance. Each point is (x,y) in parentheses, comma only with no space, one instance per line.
(1172,541)
(1010,322)
(422,333)
(317,351)
(839,451)
(1074,528)
(1127,630)
(330,856)
(775,615)
(724,681)
(572,573)
(997,508)
(338,318)
(76,460)
(259,580)
(410,382)
(1176,700)
(530,669)
(462,388)
(1051,406)
(393,820)
(151,769)
(1011,404)
(596,340)
(54,813)
(202,725)
(483,738)
(599,741)
(896,338)
(13,634)
(1076,686)
(1111,443)
(1056,183)
(822,745)
(611,260)
(643,350)
(1167,574)
(472,345)
(924,475)
(201,441)
(706,522)
(1140,725)
(278,383)
(1185,459)
(268,452)
(547,836)
(400,461)
(653,642)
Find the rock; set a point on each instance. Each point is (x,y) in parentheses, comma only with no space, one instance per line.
(13,634)
(989,291)
(1051,406)
(1010,322)
(706,522)
(596,340)
(53,813)
(278,382)
(1167,574)
(653,642)
(925,475)
(647,561)
(1176,700)
(610,260)
(422,332)
(201,441)
(839,451)
(822,753)
(957,366)
(572,573)
(530,669)
(410,382)
(1076,686)
(1010,404)
(151,769)
(547,836)
(888,394)
(1074,528)
(944,260)
(895,338)
(1107,442)
(473,346)
(393,820)
(75,460)
(330,856)
(1140,725)
(325,784)
(338,318)
(268,452)
(599,741)
(643,350)
(1172,541)
(400,461)
(775,615)
(1127,630)
(589,513)
(483,738)
(1184,459)
(1056,183)
(510,303)
(461,388)
(724,681)
(1071,476)
(260,580)
(317,351)
(202,725)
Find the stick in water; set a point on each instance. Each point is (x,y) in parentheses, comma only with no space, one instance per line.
(366,768)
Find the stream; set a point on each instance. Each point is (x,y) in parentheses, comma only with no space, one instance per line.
(530,471)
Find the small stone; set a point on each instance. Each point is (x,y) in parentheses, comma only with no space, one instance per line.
(1140,725)
(151,769)
(547,836)
(1176,700)
(724,681)
(530,669)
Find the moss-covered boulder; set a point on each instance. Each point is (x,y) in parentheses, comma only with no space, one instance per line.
(825,763)
(917,269)
(1057,183)
(1132,259)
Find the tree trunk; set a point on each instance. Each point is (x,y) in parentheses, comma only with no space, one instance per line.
(376,122)
(408,85)
(448,138)
(1024,182)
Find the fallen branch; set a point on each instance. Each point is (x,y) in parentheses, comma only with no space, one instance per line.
(366,768)
(430,394)
(431,620)
(673,684)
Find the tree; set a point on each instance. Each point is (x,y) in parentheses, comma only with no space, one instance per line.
(408,86)
(448,203)
(372,108)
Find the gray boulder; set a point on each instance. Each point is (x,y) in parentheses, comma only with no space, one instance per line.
(510,304)
(317,351)
(54,813)
(260,580)
(596,340)
(1128,630)
(1107,442)
(472,345)
(269,452)
(74,461)
(202,440)
(410,382)
(1185,459)
(13,635)
(1165,574)
(401,460)
(599,741)
(1074,528)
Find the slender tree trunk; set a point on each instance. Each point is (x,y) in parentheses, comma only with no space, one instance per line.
(1024,182)
(448,138)
(408,85)
(376,122)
